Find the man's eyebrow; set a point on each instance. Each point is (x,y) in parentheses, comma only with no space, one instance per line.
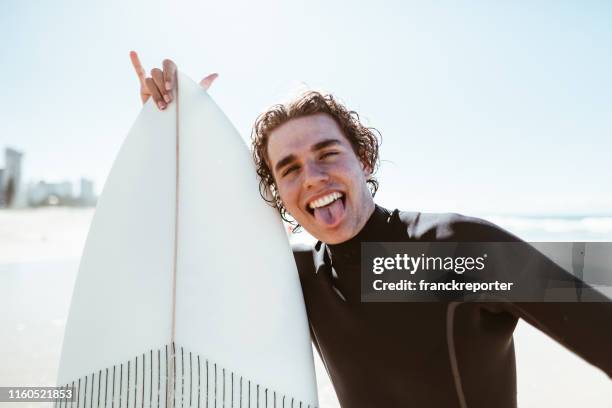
(318,146)
(284,161)
(325,143)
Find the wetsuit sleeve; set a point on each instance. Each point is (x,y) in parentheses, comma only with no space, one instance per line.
(585,328)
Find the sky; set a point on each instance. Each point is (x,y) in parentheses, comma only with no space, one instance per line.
(484,107)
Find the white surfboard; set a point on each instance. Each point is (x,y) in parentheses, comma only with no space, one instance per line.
(187,293)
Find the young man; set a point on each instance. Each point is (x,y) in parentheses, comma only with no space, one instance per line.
(318,160)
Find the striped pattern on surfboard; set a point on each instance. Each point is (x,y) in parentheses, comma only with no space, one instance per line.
(144,381)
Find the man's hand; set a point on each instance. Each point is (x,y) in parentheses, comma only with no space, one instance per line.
(161,84)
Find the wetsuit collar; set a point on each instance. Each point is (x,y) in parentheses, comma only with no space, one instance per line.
(377,228)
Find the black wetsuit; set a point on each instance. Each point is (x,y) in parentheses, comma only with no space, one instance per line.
(437,354)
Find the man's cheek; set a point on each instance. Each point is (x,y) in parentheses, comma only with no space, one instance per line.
(290,205)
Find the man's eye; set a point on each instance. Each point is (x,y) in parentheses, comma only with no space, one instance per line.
(290,170)
(328,154)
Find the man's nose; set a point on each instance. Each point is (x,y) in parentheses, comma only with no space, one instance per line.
(314,174)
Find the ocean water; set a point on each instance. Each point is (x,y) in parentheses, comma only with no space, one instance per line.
(39,261)
(570,228)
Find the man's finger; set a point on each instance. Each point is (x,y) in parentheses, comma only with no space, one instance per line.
(159,101)
(169,75)
(138,67)
(208,80)
(158,77)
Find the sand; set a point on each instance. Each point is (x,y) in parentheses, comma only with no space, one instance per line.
(39,252)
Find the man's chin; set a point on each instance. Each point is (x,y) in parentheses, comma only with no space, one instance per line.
(332,236)
(335,233)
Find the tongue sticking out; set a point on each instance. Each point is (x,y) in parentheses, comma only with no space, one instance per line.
(330,213)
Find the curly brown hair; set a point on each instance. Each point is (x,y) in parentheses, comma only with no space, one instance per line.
(364,140)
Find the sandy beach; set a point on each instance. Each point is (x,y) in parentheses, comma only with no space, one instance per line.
(39,255)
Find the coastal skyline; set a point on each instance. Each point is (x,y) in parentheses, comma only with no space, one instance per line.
(18,193)
(498,108)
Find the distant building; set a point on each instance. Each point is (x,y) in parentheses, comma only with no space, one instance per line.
(10,181)
(2,204)
(86,196)
(43,193)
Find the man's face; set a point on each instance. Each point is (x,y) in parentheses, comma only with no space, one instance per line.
(320,180)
